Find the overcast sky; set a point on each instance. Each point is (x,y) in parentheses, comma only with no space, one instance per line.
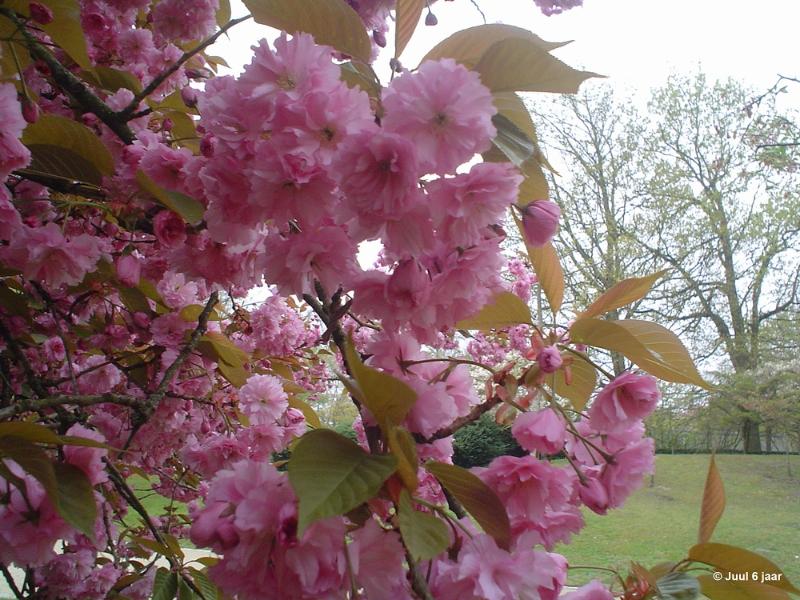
(636,43)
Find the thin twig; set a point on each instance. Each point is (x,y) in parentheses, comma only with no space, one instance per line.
(10,581)
(22,360)
(129,112)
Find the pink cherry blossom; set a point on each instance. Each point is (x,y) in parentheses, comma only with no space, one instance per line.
(444,110)
(86,458)
(542,431)
(540,222)
(184,20)
(262,399)
(594,590)
(549,359)
(13,155)
(626,399)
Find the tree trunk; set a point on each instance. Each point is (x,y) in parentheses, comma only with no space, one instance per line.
(768,433)
(751,436)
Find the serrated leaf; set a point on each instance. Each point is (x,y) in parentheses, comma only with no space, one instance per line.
(184,591)
(190,209)
(547,266)
(621,294)
(520,64)
(732,559)
(504,310)
(425,535)
(581,386)
(739,590)
(404,449)
(76,503)
(477,498)
(677,586)
(332,475)
(388,399)
(650,346)
(332,22)
(713,503)
(201,580)
(165,585)
(66,148)
(407,14)
(468,45)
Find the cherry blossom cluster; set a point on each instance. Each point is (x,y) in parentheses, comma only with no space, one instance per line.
(111,306)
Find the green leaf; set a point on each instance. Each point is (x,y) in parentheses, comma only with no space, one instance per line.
(504,310)
(112,79)
(468,45)
(713,503)
(332,475)
(361,75)
(184,591)
(192,312)
(581,386)
(739,590)
(650,346)
(732,559)
(304,407)
(63,147)
(548,271)
(387,398)
(31,432)
(14,301)
(477,498)
(520,64)
(76,502)
(425,535)
(133,299)
(512,141)
(34,461)
(223,12)
(332,22)
(404,449)
(406,20)
(230,358)
(190,209)
(201,580)
(677,586)
(66,31)
(165,585)
(622,294)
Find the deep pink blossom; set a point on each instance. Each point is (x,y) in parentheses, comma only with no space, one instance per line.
(13,155)
(542,431)
(549,359)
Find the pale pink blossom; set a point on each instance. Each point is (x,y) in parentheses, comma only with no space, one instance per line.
(623,401)
(184,20)
(594,590)
(542,431)
(262,399)
(13,155)
(86,458)
(446,112)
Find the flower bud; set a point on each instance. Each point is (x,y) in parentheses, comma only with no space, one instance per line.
(189,96)
(549,359)
(540,222)
(379,37)
(30,110)
(207,145)
(166,124)
(431,20)
(40,13)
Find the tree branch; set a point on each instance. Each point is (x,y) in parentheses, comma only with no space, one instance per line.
(22,406)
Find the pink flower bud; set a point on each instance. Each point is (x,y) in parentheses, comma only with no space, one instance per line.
(166,124)
(549,359)
(431,20)
(40,13)
(207,145)
(30,110)
(189,96)
(540,222)
(594,496)
(379,37)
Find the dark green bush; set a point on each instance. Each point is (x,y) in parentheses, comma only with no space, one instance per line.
(478,443)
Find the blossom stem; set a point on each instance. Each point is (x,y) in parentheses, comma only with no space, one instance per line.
(458,361)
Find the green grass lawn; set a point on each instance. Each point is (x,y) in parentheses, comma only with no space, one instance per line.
(659,522)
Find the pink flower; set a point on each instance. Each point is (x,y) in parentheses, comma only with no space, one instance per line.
(541,431)
(213,454)
(593,495)
(594,590)
(540,222)
(464,205)
(184,20)
(54,349)
(262,399)
(444,110)
(129,270)
(549,359)
(13,155)
(40,13)
(164,165)
(169,228)
(326,253)
(10,220)
(378,173)
(555,7)
(169,330)
(87,459)
(625,400)
(378,557)
(625,474)
(44,254)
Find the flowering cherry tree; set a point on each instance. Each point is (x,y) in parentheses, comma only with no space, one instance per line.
(139,208)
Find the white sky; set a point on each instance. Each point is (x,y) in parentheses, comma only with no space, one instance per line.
(636,43)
